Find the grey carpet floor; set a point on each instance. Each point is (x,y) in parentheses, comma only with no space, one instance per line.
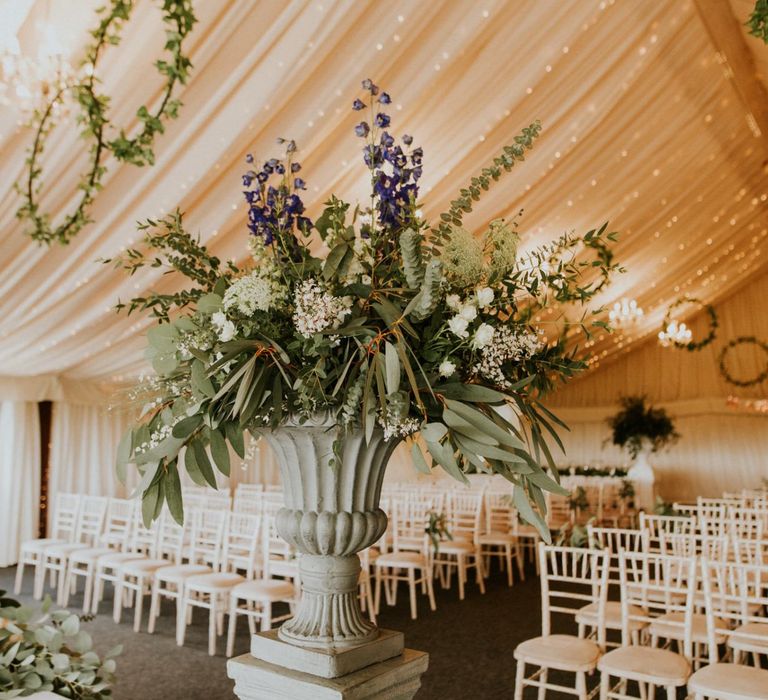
(470,643)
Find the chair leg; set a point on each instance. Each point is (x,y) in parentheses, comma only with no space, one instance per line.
(543,680)
(117,603)
(461,572)
(377,596)
(671,692)
(369,597)
(181,616)
(39,584)
(232,625)
(266,617)
(154,607)
(430,591)
(605,685)
(520,561)
(87,588)
(19,576)
(508,561)
(64,591)
(519,680)
(212,627)
(63,584)
(412,592)
(581,685)
(479,574)
(138,605)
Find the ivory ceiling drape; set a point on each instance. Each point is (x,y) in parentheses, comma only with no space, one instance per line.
(19,476)
(644,124)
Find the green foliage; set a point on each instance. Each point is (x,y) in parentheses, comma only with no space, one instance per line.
(758,21)
(437,529)
(179,17)
(637,424)
(44,650)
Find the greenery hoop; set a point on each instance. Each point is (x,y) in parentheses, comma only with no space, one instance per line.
(743,340)
(693,346)
(179,15)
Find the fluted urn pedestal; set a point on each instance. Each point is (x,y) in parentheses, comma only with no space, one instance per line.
(329,649)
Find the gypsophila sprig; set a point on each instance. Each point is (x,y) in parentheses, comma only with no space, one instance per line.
(412,330)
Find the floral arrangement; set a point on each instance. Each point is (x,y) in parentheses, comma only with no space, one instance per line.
(43,650)
(757,22)
(637,424)
(369,313)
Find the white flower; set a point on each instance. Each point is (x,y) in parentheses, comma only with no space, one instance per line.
(249,294)
(224,327)
(317,310)
(484,296)
(446,368)
(483,336)
(458,326)
(468,312)
(453,302)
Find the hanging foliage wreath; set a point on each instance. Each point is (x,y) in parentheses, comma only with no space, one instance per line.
(693,346)
(179,17)
(743,340)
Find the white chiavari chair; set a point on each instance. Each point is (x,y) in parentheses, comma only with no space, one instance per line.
(211,591)
(735,594)
(365,586)
(613,541)
(570,579)
(114,538)
(670,524)
(63,530)
(462,551)
(411,557)
(203,553)
(500,536)
(248,499)
(653,586)
(142,545)
(90,521)
(254,598)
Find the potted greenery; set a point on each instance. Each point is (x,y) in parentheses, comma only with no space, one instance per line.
(641,429)
(347,335)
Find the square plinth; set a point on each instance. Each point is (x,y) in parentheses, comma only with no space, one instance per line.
(267,646)
(398,678)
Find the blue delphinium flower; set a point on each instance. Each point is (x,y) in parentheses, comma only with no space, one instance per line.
(387,140)
(384,98)
(407,140)
(299,184)
(249,158)
(295,167)
(358,104)
(362,129)
(382,120)
(369,85)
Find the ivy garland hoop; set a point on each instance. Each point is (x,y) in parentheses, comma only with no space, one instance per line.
(743,340)
(137,150)
(713,323)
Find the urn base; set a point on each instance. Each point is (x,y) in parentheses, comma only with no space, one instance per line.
(398,678)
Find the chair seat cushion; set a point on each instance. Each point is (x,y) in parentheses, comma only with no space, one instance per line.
(731,681)
(64,549)
(588,616)
(647,664)
(670,626)
(90,555)
(214,581)
(559,651)
(752,635)
(496,538)
(40,545)
(137,567)
(402,560)
(264,589)
(175,574)
(456,547)
(114,559)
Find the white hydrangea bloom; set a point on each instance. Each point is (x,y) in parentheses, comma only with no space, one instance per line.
(509,345)
(316,310)
(483,336)
(249,294)
(446,368)
(453,302)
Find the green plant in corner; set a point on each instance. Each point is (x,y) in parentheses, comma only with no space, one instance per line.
(137,149)
(437,529)
(637,424)
(758,20)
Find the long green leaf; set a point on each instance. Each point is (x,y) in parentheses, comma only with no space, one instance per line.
(235,436)
(200,380)
(203,463)
(418,459)
(173,493)
(220,452)
(186,426)
(481,421)
(192,468)
(474,393)
(457,423)
(444,457)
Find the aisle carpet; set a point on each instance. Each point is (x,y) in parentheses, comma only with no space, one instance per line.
(470,644)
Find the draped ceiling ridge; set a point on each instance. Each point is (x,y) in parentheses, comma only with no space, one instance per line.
(642,127)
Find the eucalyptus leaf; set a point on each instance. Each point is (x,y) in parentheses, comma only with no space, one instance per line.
(219,452)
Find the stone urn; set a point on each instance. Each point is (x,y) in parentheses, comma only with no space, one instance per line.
(642,476)
(331,513)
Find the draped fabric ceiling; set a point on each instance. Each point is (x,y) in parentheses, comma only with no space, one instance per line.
(650,121)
